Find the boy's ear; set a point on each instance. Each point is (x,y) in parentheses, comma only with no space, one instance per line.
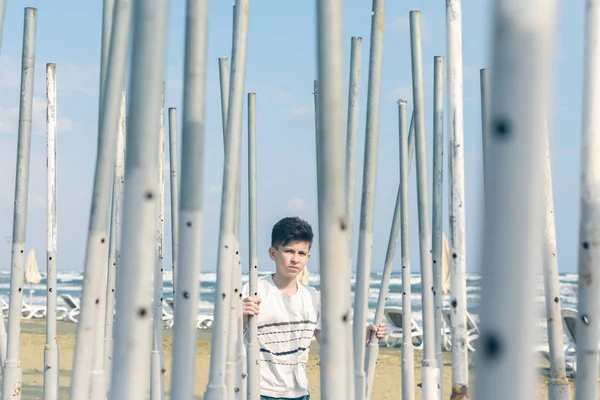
(272,253)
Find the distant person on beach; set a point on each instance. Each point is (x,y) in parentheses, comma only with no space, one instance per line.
(288,313)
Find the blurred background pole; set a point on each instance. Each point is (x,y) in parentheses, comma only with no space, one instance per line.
(174,163)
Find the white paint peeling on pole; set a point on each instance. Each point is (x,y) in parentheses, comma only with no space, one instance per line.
(408,352)
(437,213)
(365,238)
(96,257)
(430,371)
(587,330)
(191,217)
(12,372)
(174,181)
(333,243)
(351,150)
(523,36)
(558,386)
(114,245)
(253,354)
(133,333)
(51,367)
(216,388)
(457,206)
(157,383)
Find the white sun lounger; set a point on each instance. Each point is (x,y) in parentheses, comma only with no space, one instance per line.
(472,330)
(394,335)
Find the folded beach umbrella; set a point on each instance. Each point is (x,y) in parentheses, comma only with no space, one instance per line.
(32,274)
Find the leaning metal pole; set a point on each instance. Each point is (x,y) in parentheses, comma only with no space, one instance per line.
(521,69)
(587,328)
(174,181)
(331,199)
(12,371)
(365,238)
(133,325)
(430,370)
(216,388)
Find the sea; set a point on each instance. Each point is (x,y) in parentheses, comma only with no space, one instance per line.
(70,282)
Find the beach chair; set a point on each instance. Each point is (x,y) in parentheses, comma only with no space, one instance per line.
(394,335)
(203,321)
(74,306)
(32,311)
(472,330)
(5,306)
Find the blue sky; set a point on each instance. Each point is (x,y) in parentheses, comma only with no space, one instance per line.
(281,68)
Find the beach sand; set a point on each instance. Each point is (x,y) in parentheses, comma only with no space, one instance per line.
(387,384)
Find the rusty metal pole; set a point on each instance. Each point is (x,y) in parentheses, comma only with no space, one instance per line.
(12,371)
(587,328)
(521,71)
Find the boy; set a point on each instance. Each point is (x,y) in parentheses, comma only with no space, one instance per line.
(288,314)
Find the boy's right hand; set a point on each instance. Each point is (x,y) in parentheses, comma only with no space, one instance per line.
(251,306)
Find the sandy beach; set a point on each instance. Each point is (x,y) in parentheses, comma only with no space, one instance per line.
(387,385)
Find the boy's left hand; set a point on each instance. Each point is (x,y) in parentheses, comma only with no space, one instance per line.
(379,331)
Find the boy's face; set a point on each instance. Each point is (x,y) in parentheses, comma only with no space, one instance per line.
(291,258)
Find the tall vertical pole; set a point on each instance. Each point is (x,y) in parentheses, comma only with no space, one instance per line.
(430,369)
(2,13)
(190,228)
(227,236)
(96,257)
(365,238)
(437,213)
(331,194)
(133,333)
(253,356)
(408,352)
(114,245)
(157,383)
(457,206)
(522,48)
(12,371)
(589,203)
(558,387)
(484,82)
(351,146)
(224,83)
(108,7)
(51,348)
(174,162)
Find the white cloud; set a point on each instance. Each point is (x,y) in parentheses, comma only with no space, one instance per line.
(403,24)
(303,111)
(297,205)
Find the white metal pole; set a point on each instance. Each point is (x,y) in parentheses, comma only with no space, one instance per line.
(351,146)
(365,238)
(190,205)
(96,257)
(51,367)
(457,206)
(331,194)
(157,383)
(114,246)
(12,371)
(484,82)
(408,352)
(587,329)
(216,388)
(521,72)
(224,84)
(430,370)
(437,213)
(253,355)
(133,332)
(558,387)
(174,181)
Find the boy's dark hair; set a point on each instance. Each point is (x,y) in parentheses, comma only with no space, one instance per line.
(291,229)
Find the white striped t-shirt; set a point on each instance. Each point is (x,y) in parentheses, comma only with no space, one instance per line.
(286,326)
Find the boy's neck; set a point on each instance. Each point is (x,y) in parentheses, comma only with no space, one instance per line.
(285,284)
